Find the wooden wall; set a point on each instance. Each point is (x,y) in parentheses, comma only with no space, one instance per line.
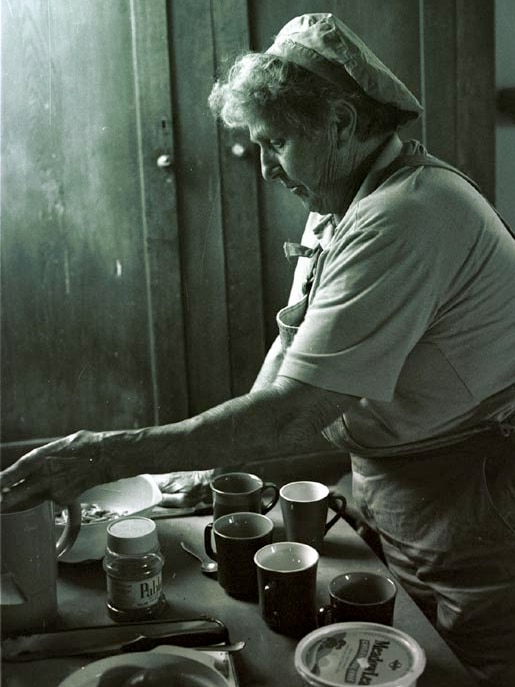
(135,294)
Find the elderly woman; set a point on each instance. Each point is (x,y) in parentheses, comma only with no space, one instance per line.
(397,341)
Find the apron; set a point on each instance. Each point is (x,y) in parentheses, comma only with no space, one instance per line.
(446,522)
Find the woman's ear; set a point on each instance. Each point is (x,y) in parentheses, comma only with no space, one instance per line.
(346,122)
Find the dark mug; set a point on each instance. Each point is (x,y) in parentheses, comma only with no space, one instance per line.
(304,507)
(287,574)
(238,492)
(360,596)
(237,538)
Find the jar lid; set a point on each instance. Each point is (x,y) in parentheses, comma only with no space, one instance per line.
(359,653)
(134,535)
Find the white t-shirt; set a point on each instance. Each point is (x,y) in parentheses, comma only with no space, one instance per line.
(412,309)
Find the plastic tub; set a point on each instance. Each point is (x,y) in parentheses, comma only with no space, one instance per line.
(359,654)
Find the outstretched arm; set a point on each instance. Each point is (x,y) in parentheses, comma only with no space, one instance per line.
(263,424)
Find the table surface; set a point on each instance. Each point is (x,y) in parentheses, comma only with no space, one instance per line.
(267,659)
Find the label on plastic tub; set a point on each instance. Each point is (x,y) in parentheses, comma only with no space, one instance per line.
(359,654)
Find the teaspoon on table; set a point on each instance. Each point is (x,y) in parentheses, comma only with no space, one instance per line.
(207,566)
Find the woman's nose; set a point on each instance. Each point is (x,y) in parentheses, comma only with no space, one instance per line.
(269,165)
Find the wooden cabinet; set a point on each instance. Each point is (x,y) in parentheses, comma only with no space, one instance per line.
(140,289)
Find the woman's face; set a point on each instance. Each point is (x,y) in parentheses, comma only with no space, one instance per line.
(307,164)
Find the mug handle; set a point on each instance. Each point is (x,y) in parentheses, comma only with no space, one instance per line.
(266,507)
(334,498)
(71,529)
(207,542)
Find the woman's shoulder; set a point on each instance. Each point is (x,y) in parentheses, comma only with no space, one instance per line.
(422,200)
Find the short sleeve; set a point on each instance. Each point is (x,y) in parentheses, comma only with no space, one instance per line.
(375,295)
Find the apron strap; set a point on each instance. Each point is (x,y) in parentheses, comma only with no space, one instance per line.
(426,160)
(297,250)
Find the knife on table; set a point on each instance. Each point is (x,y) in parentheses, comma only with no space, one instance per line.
(113,639)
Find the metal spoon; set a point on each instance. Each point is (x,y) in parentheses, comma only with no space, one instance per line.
(207,566)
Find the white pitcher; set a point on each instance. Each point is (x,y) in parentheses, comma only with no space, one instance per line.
(29,554)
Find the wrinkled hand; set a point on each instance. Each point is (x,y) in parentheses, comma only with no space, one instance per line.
(186,488)
(60,471)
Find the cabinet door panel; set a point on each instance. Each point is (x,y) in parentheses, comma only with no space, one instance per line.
(77,332)
(460,86)
(241,215)
(199,204)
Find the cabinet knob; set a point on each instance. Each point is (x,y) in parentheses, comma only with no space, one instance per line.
(238,150)
(164,161)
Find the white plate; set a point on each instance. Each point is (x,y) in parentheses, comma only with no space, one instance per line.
(177,667)
(132,495)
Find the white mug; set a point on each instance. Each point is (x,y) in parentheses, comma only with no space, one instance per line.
(304,507)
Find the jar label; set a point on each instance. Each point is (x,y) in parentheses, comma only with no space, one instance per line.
(131,594)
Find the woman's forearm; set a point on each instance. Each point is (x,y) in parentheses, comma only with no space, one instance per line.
(260,425)
(277,420)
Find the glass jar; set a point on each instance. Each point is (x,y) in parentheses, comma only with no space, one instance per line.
(133,564)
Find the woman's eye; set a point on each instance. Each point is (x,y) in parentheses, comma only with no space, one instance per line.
(276,143)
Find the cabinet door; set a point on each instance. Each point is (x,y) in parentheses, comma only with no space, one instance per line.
(92,315)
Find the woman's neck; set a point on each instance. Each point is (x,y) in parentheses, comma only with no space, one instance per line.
(366,154)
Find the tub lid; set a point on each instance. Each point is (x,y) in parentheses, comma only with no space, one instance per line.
(359,653)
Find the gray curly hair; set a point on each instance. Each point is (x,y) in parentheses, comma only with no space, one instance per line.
(263,86)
